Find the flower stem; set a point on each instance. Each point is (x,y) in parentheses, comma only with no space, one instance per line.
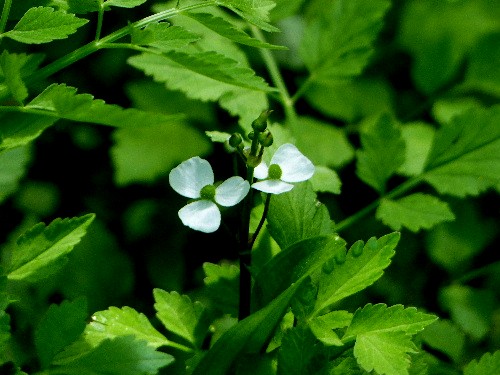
(262,219)
(5,15)
(100,19)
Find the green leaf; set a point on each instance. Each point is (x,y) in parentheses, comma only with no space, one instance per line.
(363,265)
(339,45)
(384,352)
(43,25)
(60,326)
(163,36)
(179,70)
(465,155)
(446,337)
(382,154)
(326,180)
(83,6)
(150,151)
(41,251)
(418,137)
(226,29)
(122,355)
(415,211)
(19,129)
(4,318)
(488,364)
(221,284)
(181,316)
(324,333)
(254,11)
(123,3)
(380,318)
(14,163)
(297,215)
(10,69)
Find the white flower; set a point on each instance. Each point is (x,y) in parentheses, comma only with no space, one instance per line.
(194,178)
(287,165)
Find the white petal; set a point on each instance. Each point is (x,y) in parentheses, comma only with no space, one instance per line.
(261,171)
(203,216)
(231,191)
(189,177)
(295,167)
(272,186)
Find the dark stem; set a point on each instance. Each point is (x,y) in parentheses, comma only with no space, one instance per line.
(262,219)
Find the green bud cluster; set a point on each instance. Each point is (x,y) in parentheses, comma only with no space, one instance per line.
(260,123)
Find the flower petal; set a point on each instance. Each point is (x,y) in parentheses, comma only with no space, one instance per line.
(190,176)
(261,171)
(272,186)
(295,167)
(231,191)
(203,216)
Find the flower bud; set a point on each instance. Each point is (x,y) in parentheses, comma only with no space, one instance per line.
(251,135)
(266,138)
(235,140)
(260,123)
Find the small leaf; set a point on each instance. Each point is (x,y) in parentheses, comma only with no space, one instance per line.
(221,284)
(60,326)
(181,316)
(382,154)
(418,138)
(14,163)
(123,3)
(10,68)
(226,29)
(163,36)
(43,25)
(41,251)
(254,11)
(488,364)
(326,180)
(324,333)
(415,211)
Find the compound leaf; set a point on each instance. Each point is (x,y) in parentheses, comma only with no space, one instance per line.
(43,25)
(42,250)
(414,212)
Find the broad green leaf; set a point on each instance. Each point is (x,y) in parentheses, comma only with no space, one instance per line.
(124,355)
(415,212)
(326,180)
(446,337)
(248,336)
(465,156)
(254,11)
(322,142)
(43,25)
(181,316)
(163,36)
(221,285)
(488,364)
(297,215)
(60,326)
(19,129)
(201,65)
(362,266)
(147,152)
(225,28)
(10,68)
(382,154)
(303,258)
(380,318)
(384,352)
(41,251)
(13,167)
(340,43)
(123,3)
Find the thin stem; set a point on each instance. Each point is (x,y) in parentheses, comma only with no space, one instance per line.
(262,219)
(94,46)
(401,189)
(100,20)
(479,272)
(302,89)
(5,15)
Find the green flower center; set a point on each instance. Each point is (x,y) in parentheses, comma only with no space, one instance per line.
(208,192)
(274,172)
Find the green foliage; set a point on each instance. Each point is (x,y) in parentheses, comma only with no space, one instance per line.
(487,364)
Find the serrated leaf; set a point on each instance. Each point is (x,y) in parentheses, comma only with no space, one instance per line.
(465,155)
(254,11)
(14,163)
(163,36)
(382,154)
(324,333)
(41,251)
(221,284)
(181,316)
(339,45)
(488,364)
(297,215)
(122,355)
(226,29)
(380,318)
(123,3)
(10,69)
(415,212)
(384,352)
(361,268)
(43,25)
(60,326)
